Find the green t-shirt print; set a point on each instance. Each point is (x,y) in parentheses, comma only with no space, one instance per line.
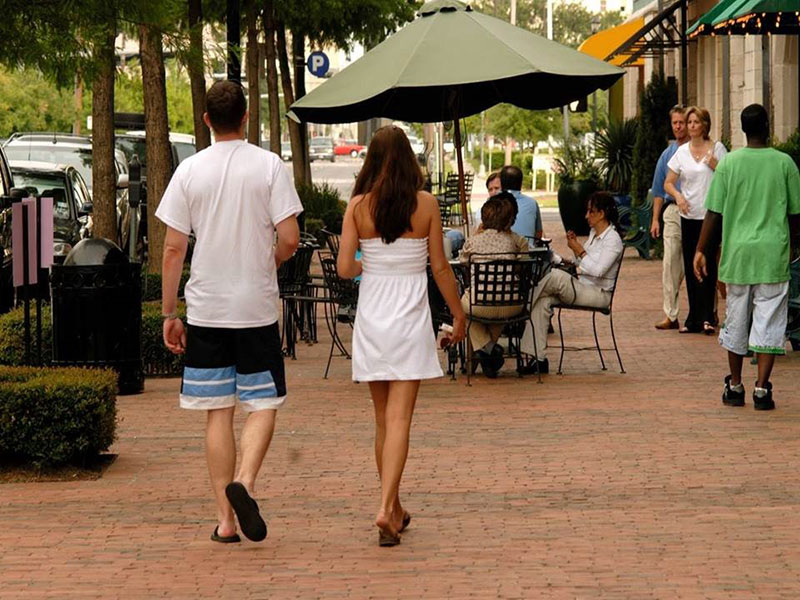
(755,189)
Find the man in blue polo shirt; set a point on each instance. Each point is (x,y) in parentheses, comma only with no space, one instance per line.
(529,218)
(672,265)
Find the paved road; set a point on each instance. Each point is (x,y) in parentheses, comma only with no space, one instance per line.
(340,174)
(592,485)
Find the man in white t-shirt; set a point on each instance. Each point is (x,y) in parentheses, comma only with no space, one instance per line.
(233,196)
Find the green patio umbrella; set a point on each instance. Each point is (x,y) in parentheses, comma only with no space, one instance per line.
(452,62)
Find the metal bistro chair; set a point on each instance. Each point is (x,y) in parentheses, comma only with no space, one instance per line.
(605,311)
(332,241)
(341,308)
(793,322)
(639,235)
(440,314)
(293,279)
(445,210)
(501,283)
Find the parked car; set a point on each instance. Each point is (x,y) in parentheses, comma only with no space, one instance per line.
(351,147)
(321,148)
(75,151)
(72,203)
(60,149)
(6,281)
(286,151)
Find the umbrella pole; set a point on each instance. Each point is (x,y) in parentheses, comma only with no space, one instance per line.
(462,192)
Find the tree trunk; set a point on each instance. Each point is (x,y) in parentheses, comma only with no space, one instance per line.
(77,123)
(272,79)
(298,54)
(202,136)
(156,124)
(251,71)
(104,178)
(288,99)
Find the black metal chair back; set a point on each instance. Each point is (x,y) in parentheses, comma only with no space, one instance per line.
(501,282)
(342,291)
(293,274)
(331,240)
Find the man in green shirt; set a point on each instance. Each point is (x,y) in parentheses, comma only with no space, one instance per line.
(755,199)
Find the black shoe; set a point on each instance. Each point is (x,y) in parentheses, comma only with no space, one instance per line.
(487,363)
(764,402)
(533,366)
(497,357)
(731,397)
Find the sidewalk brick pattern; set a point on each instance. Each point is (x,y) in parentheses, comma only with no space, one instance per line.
(592,485)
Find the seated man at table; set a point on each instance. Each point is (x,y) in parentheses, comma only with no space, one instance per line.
(529,218)
(596,264)
(494,241)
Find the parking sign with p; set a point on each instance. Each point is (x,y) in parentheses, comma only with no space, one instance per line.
(318,63)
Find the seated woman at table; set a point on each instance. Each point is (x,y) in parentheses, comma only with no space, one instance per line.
(596,264)
(493,241)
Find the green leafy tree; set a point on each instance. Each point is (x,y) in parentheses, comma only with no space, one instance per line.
(31,102)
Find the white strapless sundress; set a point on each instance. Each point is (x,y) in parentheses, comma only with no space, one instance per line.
(393,336)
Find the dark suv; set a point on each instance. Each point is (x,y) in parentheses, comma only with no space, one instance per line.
(321,148)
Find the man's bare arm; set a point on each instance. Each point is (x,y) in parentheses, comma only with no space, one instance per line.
(288,239)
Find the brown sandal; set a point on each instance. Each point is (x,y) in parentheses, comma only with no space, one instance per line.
(386,538)
(406,521)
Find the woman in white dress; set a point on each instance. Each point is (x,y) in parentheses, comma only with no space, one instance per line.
(398,228)
(693,164)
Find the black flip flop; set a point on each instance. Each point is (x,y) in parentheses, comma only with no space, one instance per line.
(224,539)
(253,526)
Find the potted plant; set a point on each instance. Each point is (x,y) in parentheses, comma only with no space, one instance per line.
(615,151)
(578,177)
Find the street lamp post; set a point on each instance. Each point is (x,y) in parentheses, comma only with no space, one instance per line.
(595,29)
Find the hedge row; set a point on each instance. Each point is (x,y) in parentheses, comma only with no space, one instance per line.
(157,359)
(54,416)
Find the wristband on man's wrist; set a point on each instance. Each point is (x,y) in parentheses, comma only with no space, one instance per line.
(170,316)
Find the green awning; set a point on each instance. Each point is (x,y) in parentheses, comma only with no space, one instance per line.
(757,17)
(704,24)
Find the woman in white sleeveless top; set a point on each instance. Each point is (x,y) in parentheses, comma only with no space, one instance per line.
(398,227)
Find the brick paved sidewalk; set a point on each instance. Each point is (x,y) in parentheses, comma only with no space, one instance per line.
(592,485)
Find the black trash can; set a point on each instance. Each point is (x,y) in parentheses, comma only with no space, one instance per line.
(97,312)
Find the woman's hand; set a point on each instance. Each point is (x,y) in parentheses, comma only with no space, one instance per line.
(573,243)
(683,205)
(710,159)
(459,328)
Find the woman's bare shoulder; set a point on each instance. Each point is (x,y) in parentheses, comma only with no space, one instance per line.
(427,200)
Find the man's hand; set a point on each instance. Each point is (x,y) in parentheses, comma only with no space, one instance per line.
(174,336)
(700,266)
(573,243)
(655,229)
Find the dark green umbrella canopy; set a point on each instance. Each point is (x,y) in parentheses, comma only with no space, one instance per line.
(454,62)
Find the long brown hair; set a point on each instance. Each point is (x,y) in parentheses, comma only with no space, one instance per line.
(392,178)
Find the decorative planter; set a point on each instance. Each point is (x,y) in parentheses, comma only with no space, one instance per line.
(572,198)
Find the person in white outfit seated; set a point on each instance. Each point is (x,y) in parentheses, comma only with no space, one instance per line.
(596,265)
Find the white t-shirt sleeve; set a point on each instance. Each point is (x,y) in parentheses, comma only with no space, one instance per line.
(173,210)
(674,163)
(283,201)
(719,151)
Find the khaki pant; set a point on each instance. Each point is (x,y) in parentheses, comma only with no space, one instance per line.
(558,287)
(481,334)
(672,265)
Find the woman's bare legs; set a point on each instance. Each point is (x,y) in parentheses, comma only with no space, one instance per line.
(394,406)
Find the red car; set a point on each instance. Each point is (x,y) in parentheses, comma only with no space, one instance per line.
(351,147)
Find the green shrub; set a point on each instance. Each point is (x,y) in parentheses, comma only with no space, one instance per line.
(151,285)
(51,416)
(12,336)
(322,201)
(652,133)
(157,359)
(792,146)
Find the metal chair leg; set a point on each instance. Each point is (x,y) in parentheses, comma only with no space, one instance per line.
(469,353)
(330,354)
(561,337)
(596,342)
(614,339)
(535,349)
